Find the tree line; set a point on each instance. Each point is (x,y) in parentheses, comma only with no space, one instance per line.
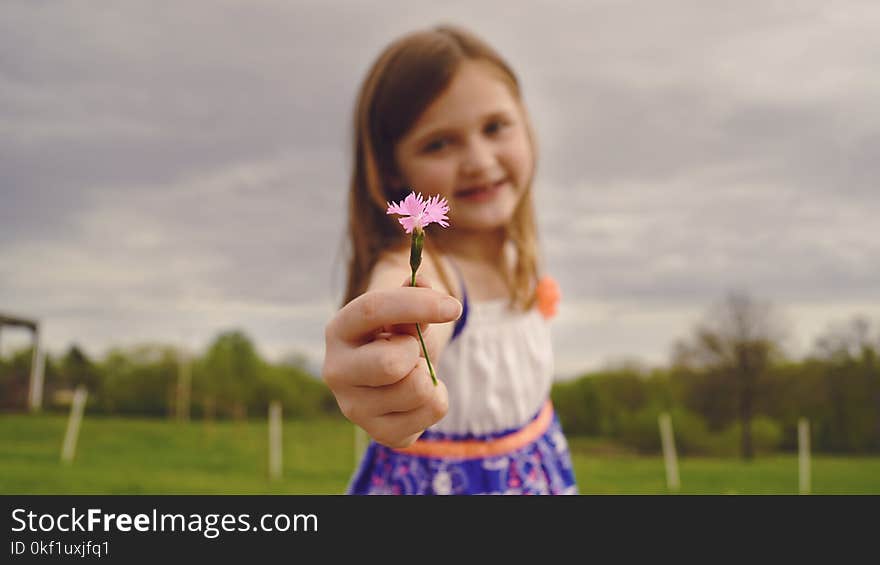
(729,387)
(731,390)
(230,380)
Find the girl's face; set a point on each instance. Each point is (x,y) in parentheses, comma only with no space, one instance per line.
(471,146)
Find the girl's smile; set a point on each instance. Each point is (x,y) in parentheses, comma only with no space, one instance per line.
(480,193)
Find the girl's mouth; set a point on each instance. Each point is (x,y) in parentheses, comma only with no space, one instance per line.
(482,192)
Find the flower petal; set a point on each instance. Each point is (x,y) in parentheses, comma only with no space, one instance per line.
(419,212)
(413,204)
(394,208)
(408,223)
(435,210)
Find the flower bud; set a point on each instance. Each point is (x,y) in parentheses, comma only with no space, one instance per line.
(415,250)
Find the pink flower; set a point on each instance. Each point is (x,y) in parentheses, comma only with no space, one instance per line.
(418,212)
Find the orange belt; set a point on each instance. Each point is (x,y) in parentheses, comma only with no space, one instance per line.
(474,448)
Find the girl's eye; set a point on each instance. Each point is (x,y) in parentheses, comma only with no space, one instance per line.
(436,145)
(494,127)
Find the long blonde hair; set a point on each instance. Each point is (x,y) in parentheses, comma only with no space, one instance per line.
(401,84)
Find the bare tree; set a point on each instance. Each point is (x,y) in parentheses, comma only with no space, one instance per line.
(738,340)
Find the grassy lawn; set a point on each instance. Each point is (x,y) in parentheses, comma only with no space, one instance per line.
(134,456)
(600,473)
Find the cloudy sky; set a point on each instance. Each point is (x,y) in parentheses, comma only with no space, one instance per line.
(170,170)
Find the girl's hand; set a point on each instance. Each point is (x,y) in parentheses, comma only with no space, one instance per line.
(374,365)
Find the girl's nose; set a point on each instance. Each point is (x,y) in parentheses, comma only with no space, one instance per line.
(478,157)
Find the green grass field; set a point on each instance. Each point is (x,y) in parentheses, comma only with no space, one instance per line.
(139,456)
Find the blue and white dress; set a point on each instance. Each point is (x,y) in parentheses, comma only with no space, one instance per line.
(500,435)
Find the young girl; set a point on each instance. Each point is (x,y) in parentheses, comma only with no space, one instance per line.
(440,113)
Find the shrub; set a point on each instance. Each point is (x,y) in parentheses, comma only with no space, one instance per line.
(641,430)
(692,436)
(766,437)
(577,405)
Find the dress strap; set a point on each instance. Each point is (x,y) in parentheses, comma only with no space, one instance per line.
(462,320)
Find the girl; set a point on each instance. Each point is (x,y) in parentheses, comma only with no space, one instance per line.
(440,113)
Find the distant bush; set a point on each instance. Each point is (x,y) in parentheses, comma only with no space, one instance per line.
(766,438)
(642,432)
(577,405)
(692,436)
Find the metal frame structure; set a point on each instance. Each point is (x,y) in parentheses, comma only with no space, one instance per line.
(38,361)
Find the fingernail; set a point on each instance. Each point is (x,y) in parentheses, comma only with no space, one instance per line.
(451,308)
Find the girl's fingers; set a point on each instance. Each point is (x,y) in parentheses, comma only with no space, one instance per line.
(400,429)
(369,313)
(408,393)
(383,362)
(410,329)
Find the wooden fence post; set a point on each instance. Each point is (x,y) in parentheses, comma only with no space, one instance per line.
(68,450)
(670,458)
(38,365)
(804,456)
(275,440)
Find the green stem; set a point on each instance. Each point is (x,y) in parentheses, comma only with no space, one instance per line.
(422,341)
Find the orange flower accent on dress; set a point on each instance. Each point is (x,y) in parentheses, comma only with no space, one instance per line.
(548,296)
